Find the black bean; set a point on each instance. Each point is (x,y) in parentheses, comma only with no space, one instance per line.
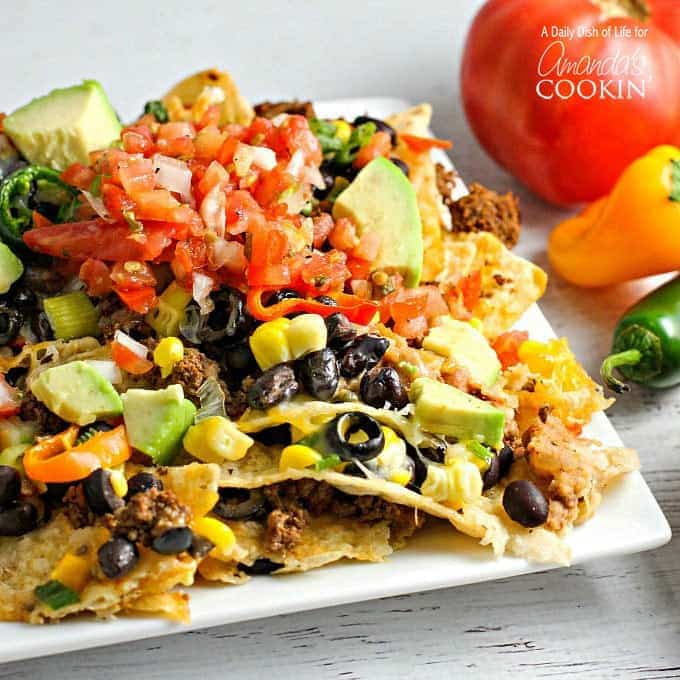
(43,280)
(11,321)
(380,126)
(55,492)
(328,175)
(117,557)
(492,474)
(40,325)
(238,357)
(10,485)
(340,330)
(260,567)
(23,298)
(326,300)
(173,541)
(275,385)
(281,295)
(401,165)
(142,481)
(382,388)
(18,519)
(240,503)
(506,457)
(318,373)
(525,504)
(276,434)
(99,494)
(229,318)
(362,354)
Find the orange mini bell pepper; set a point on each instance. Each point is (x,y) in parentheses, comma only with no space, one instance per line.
(631,233)
(56,459)
(422,144)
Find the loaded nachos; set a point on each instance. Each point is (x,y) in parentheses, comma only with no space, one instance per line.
(243,341)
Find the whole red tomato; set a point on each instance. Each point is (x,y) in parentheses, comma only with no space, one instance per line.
(565,97)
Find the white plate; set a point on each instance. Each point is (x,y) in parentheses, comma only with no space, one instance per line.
(629,520)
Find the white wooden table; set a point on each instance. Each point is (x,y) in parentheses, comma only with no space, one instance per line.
(610,619)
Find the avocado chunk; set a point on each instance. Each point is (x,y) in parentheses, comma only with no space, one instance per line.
(467,347)
(156,420)
(381,199)
(11,268)
(443,409)
(77,392)
(63,126)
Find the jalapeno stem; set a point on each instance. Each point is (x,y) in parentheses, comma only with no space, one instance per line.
(630,357)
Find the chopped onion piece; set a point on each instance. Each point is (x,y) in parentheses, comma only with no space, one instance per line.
(200,291)
(107,369)
(297,200)
(246,155)
(97,205)
(278,121)
(129,343)
(312,175)
(173,175)
(296,164)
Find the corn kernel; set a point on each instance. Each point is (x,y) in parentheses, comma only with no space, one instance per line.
(269,343)
(298,457)
(306,333)
(168,353)
(465,483)
(118,483)
(401,477)
(218,533)
(73,571)
(216,439)
(343,130)
(477,324)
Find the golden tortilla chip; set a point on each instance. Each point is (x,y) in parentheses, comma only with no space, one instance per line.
(190,98)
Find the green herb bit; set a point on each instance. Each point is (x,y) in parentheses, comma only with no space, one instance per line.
(341,183)
(328,462)
(479,450)
(157,110)
(135,225)
(409,368)
(56,595)
(96,186)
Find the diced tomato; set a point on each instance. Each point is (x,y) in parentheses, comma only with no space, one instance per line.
(212,210)
(132,275)
(116,201)
(214,175)
(359,269)
(422,144)
(96,276)
(140,299)
(296,134)
(412,309)
(507,346)
(96,239)
(243,213)
(344,235)
(176,130)
(226,153)
(380,144)
(324,272)
(137,139)
(208,142)
(161,205)
(411,328)
(79,175)
(268,248)
(106,161)
(40,220)
(470,288)
(271,186)
(323,224)
(261,132)
(368,246)
(129,361)
(436,304)
(9,405)
(189,255)
(211,117)
(228,256)
(137,175)
(177,231)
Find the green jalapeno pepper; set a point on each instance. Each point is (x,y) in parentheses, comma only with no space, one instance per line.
(646,345)
(33,188)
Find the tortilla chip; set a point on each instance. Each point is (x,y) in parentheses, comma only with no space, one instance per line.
(510,284)
(190,98)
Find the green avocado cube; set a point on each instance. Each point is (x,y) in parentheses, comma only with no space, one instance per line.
(443,409)
(77,392)
(382,199)
(11,268)
(156,420)
(63,126)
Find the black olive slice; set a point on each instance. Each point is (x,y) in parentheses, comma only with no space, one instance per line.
(343,426)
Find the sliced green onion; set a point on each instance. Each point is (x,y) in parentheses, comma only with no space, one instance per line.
(479,450)
(96,186)
(157,110)
(56,595)
(167,316)
(327,462)
(135,225)
(72,315)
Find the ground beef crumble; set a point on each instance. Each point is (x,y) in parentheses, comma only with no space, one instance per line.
(33,410)
(75,507)
(294,501)
(190,372)
(481,209)
(273,109)
(115,316)
(148,515)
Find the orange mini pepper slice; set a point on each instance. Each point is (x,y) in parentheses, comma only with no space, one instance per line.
(422,144)
(55,459)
